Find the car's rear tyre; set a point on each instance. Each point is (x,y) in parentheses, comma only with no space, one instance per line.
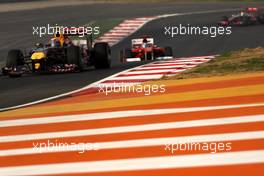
(168,51)
(261,19)
(73,57)
(128,53)
(14,58)
(102,55)
(246,21)
(150,56)
(225,18)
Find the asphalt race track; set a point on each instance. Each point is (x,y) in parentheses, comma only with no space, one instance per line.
(16,31)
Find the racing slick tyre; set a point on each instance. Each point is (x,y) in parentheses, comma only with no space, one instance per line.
(73,57)
(124,54)
(150,56)
(225,18)
(246,21)
(102,55)
(14,58)
(168,51)
(128,53)
(261,19)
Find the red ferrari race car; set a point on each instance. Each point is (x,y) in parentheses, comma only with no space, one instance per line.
(249,16)
(143,48)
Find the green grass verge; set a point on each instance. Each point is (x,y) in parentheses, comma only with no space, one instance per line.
(241,61)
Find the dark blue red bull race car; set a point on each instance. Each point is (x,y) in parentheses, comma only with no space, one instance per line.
(62,54)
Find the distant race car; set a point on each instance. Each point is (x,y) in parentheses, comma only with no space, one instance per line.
(143,48)
(60,55)
(249,16)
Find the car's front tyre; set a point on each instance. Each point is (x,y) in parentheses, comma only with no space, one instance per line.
(102,55)
(74,57)
(14,58)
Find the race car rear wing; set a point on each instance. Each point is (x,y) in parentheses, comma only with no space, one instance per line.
(80,32)
(140,41)
(251,9)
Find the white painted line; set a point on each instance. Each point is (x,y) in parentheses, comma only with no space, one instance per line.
(178,67)
(157,66)
(120,31)
(161,67)
(168,65)
(141,77)
(111,38)
(133,25)
(134,128)
(115,35)
(178,61)
(199,57)
(165,162)
(176,71)
(183,139)
(116,114)
(148,142)
(127,28)
(117,84)
(190,66)
(174,63)
(194,59)
(149,71)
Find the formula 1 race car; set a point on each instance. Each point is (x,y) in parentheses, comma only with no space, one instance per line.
(249,16)
(60,55)
(143,48)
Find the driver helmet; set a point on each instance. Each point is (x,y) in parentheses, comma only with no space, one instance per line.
(145,42)
(39,45)
(58,39)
